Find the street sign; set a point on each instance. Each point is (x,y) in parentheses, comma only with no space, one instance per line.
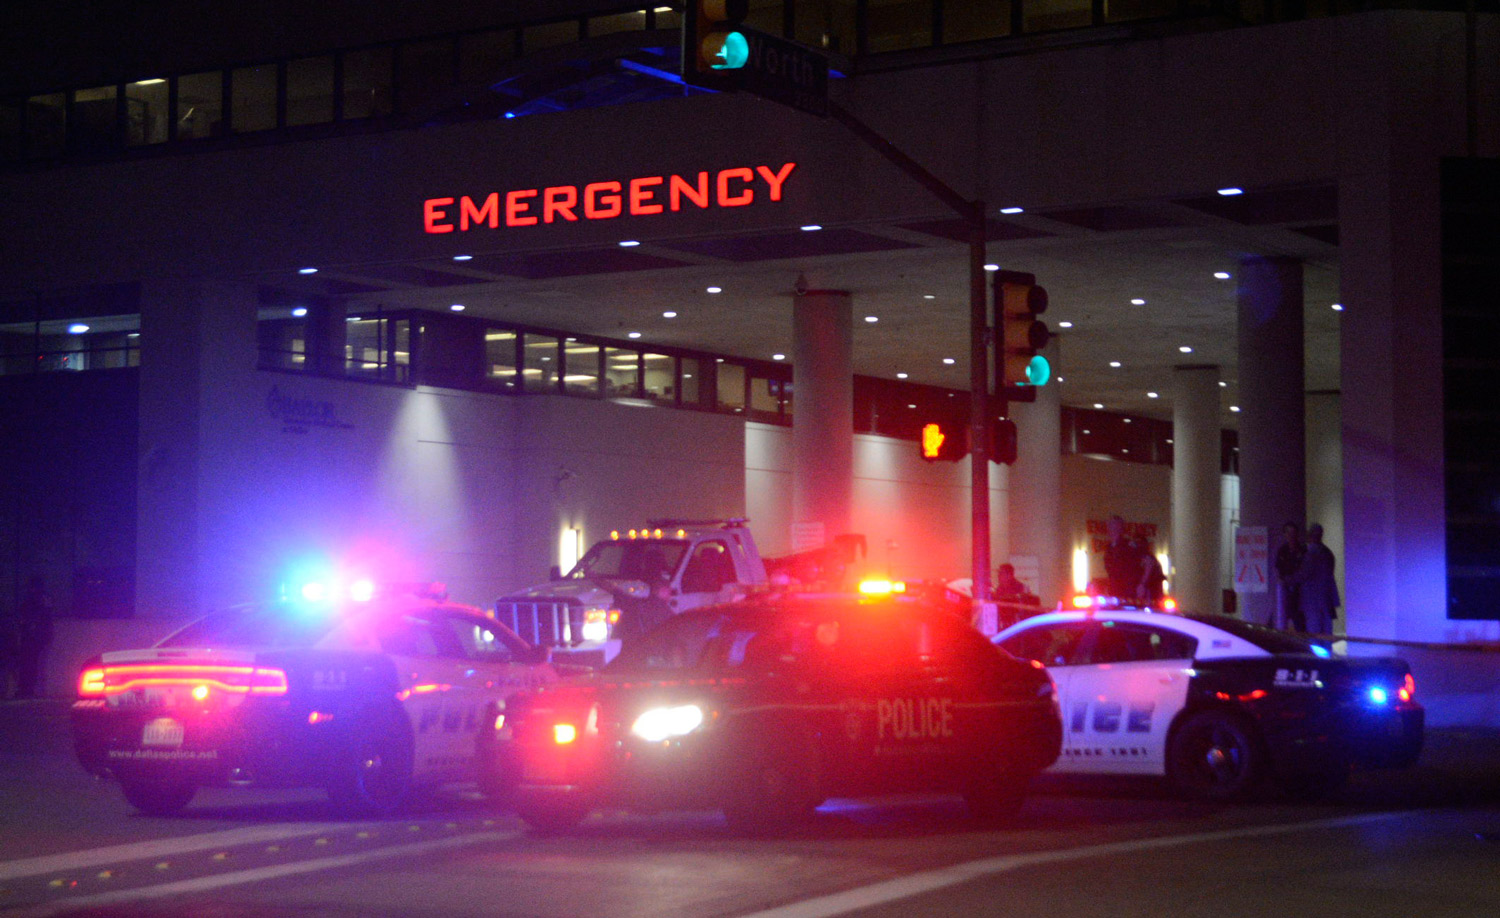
(786,72)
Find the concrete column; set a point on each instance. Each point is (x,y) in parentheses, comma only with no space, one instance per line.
(1273,453)
(1035,486)
(1195,570)
(198,352)
(823,419)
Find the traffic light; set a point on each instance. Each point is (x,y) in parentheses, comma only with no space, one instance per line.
(1019,369)
(944,439)
(712,42)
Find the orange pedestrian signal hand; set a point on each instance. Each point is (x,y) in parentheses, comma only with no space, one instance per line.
(932,441)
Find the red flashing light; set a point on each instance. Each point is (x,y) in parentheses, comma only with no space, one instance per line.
(1168,604)
(1408,689)
(1083,601)
(563,734)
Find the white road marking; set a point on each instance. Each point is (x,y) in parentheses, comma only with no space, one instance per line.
(163,847)
(917,884)
(256,875)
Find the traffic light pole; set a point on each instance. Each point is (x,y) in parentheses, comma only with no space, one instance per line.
(972,213)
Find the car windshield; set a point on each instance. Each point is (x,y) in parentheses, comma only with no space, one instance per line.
(680,643)
(1268,639)
(268,626)
(651,559)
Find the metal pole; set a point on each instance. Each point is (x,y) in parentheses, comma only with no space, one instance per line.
(979,416)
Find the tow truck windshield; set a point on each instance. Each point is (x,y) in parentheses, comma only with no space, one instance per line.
(646,560)
(267,626)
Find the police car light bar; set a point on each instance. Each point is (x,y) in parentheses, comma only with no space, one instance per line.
(881,587)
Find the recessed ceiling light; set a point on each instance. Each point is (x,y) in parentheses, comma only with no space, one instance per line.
(1223,384)
(154,81)
(949,360)
(1231,192)
(1065,325)
(1222,275)
(992,267)
(669,314)
(133,335)
(1169,441)
(1152,395)
(1125,450)
(1086,431)
(778,356)
(1059,379)
(1099,406)
(928,296)
(1234,408)
(1012,210)
(77,328)
(1115,364)
(628,243)
(299,312)
(715,289)
(633,335)
(911,406)
(1137,302)
(463,257)
(457,307)
(352,319)
(1185,349)
(1338,307)
(1126,420)
(901,375)
(811,228)
(307,270)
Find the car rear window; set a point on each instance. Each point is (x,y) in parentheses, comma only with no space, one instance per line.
(264,626)
(1268,639)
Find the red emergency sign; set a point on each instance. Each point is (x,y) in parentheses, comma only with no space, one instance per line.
(644,196)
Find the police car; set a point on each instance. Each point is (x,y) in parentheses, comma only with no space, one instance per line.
(366,693)
(1215,703)
(767,707)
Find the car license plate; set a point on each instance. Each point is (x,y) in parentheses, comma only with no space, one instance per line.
(164,731)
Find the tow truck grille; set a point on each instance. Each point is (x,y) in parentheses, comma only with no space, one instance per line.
(544,623)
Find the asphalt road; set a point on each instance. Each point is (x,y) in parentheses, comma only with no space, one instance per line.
(1422,842)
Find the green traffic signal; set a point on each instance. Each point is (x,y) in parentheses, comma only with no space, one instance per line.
(1038,371)
(734,52)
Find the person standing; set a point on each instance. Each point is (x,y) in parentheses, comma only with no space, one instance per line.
(1288,566)
(34,636)
(1122,561)
(1153,579)
(1319,590)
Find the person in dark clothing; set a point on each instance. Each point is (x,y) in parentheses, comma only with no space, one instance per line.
(1319,591)
(1153,578)
(1288,566)
(33,637)
(1123,561)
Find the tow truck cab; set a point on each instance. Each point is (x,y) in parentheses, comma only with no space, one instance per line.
(685,563)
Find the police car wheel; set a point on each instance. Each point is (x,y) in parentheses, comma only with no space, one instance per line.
(372,775)
(550,815)
(775,789)
(996,796)
(158,795)
(1214,755)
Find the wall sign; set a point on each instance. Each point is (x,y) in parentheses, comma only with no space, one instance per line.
(648,195)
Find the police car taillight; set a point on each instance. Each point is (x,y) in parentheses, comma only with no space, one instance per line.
(563,734)
(1408,689)
(91,683)
(1168,604)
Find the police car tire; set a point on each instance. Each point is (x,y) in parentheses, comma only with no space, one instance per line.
(158,795)
(372,774)
(776,787)
(1215,755)
(550,815)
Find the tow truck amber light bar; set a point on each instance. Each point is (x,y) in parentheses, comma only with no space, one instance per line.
(114,680)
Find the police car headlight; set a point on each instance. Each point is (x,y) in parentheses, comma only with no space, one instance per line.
(659,724)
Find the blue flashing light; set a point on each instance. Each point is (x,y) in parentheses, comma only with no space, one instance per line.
(315,591)
(1318,650)
(1379,695)
(362,590)
(510,114)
